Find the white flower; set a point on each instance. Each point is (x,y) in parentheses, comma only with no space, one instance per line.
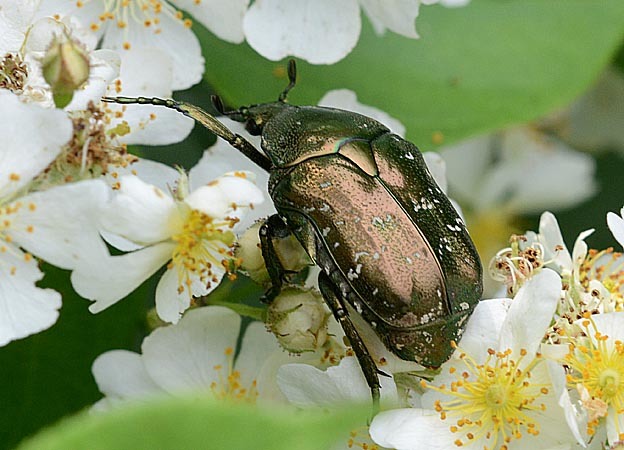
(127,26)
(496,390)
(324,31)
(57,225)
(21,63)
(596,364)
(194,356)
(498,177)
(192,233)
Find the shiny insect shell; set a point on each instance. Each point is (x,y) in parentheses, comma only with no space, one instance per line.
(362,203)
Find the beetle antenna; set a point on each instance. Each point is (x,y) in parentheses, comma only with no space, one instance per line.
(199,115)
(234,114)
(292,80)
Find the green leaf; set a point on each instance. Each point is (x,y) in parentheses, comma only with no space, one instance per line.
(490,64)
(200,424)
(48,375)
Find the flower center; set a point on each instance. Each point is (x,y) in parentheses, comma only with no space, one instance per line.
(597,365)
(512,266)
(146,13)
(229,387)
(492,401)
(607,267)
(13,73)
(202,244)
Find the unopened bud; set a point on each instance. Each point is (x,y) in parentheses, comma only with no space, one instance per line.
(290,252)
(66,68)
(298,318)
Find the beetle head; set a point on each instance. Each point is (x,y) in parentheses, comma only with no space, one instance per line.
(255,117)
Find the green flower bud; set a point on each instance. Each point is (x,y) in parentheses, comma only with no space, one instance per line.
(298,318)
(66,68)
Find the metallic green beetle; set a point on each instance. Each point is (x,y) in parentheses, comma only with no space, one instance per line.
(362,203)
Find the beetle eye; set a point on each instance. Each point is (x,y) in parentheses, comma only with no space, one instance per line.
(253,128)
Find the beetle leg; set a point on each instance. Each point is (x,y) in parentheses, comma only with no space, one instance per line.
(273,228)
(336,302)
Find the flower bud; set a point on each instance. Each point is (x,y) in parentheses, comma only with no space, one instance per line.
(66,68)
(289,251)
(298,318)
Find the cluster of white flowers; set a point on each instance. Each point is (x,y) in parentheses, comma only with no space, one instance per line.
(541,368)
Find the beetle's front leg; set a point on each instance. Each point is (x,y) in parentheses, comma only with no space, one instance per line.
(337,303)
(273,228)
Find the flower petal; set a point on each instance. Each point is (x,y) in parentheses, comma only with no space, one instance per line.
(25,309)
(60,225)
(257,346)
(15,17)
(93,280)
(24,154)
(121,374)
(175,39)
(616,225)
(225,19)
(530,314)
(149,125)
(321,32)
(396,15)
(411,429)
(306,386)
(140,212)
(186,356)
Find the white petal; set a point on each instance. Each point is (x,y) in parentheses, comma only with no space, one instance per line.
(225,19)
(609,324)
(543,173)
(531,313)
(222,158)
(411,429)
(575,420)
(170,302)
(183,356)
(614,427)
(616,225)
(64,223)
(396,15)
(466,164)
(157,174)
(347,99)
(258,344)
(484,326)
(121,373)
(321,32)
(175,39)
(24,154)
(25,309)
(93,280)
(306,386)
(149,125)
(552,240)
(216,199)
(579,252)
(141,212)
(454,3)
(15,17)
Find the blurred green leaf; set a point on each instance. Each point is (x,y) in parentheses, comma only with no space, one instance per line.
(200,424)
(490,64)
(48,375)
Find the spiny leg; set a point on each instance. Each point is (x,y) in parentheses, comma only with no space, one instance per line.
(210,122)
(273,228)
(337,304)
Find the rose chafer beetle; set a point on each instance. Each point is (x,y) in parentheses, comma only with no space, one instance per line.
(362,203)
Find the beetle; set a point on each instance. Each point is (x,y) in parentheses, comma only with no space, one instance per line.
(364,206)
